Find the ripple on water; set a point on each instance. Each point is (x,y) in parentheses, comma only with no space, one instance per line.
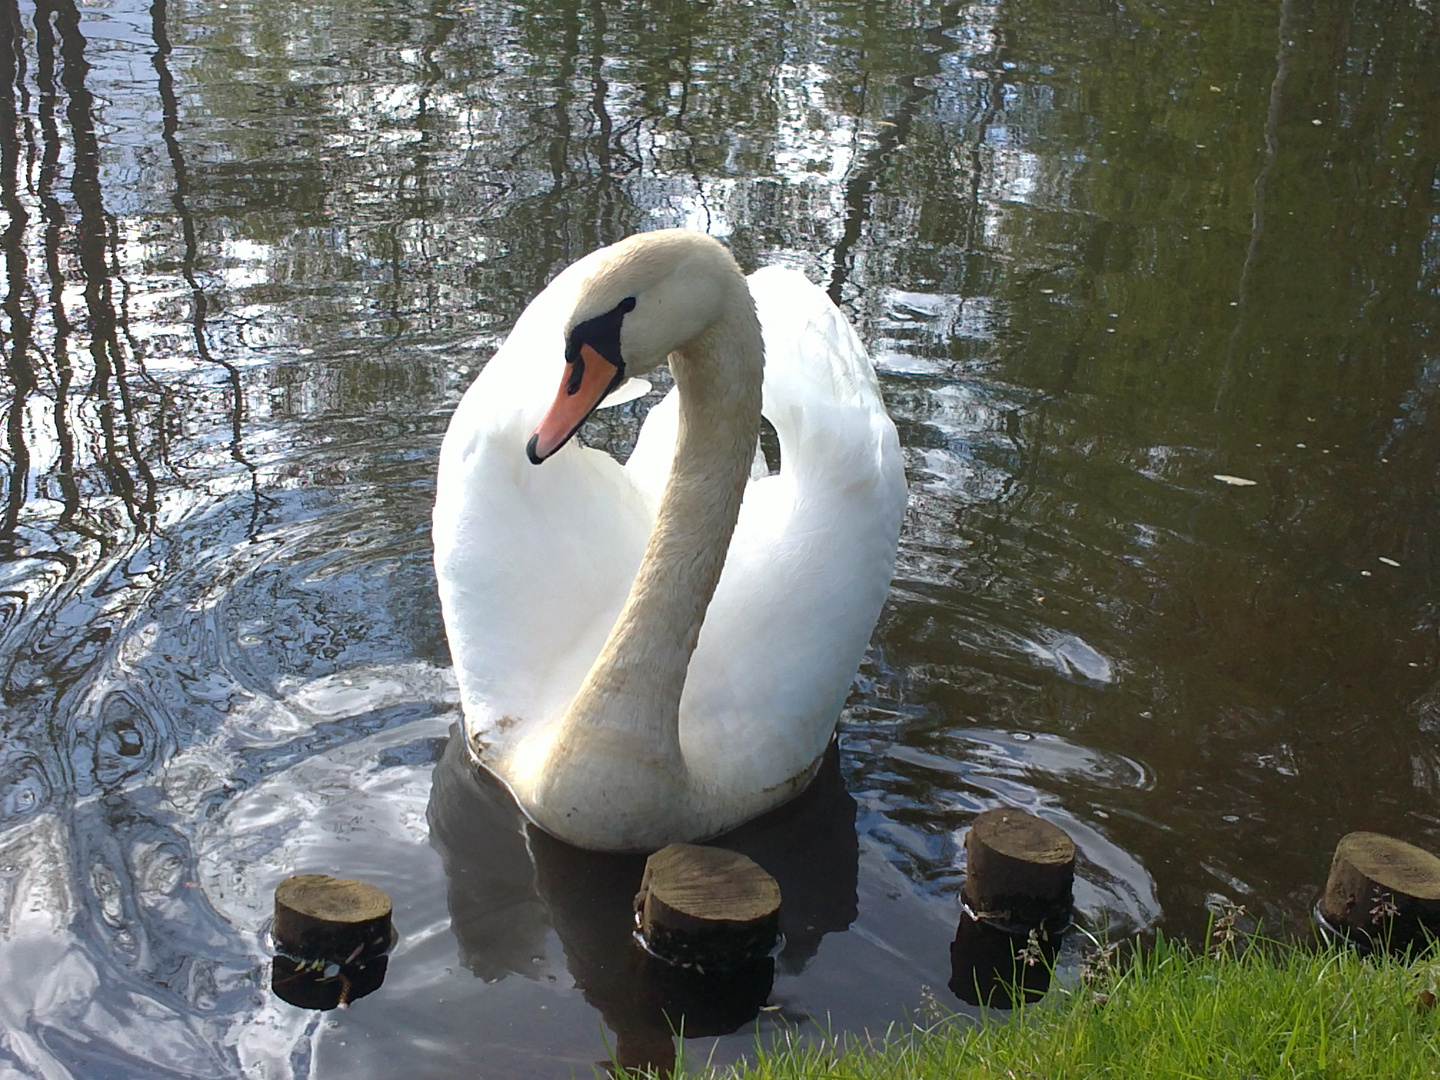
(984,768)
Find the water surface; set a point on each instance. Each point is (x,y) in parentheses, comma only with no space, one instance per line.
(1104,256)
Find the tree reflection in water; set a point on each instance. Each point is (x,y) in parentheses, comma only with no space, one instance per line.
(121,419)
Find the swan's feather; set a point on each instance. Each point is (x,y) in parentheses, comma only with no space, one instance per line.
(812,555)
(628,391)
(532,562)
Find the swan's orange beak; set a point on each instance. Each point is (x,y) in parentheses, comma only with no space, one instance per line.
(588,378)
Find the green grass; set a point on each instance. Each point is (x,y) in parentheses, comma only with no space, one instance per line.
(1168,1011)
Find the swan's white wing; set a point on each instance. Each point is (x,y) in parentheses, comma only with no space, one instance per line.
(810,564)
(533,563)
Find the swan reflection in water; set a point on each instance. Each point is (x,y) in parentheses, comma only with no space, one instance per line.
(510,884)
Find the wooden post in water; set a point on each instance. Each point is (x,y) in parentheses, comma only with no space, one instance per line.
(707,908)
(1019,870)
(332,936)
(319,917)
(1017,898)
(1385,889)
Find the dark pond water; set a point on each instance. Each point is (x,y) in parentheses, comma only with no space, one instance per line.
(1104,255)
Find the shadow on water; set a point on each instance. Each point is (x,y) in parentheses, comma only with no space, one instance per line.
(991,967)
(510,884)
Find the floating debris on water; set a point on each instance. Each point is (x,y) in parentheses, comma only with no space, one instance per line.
(1072,658)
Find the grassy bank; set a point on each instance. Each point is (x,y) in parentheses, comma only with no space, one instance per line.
(1277,1011)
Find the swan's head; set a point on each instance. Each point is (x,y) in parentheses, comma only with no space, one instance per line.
(647,296)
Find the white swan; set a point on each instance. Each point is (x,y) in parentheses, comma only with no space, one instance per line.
(649,654)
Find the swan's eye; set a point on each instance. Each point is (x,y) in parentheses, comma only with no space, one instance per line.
(602,333)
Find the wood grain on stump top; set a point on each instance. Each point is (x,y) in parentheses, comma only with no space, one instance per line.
(1020,870)
(322,917)
(1392,864)
(1384,888)
(705,906)
(1023,836)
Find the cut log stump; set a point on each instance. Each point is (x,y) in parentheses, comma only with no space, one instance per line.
(332,937)
(707,908)
(1020,871)
(339,920)
(1383,888)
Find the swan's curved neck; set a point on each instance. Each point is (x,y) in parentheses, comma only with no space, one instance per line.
(635,683)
